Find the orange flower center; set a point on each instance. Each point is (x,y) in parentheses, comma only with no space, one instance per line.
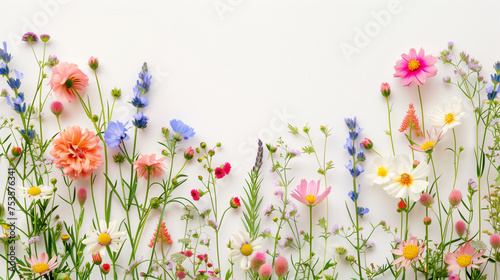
(410,252)
(34,191)
(40,268)
(406,180)
(310,198)
(246,249)
(449,118)
(382,171)
(104,239)
(464,260)
(413,65)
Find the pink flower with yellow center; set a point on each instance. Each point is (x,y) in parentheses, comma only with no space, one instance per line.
(149,163)
(415,68)
(428,142)
(465,257)
(41,265)
(309,193)
(409,251)
(66,80)
(76,151)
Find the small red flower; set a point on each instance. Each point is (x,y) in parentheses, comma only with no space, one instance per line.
(180,274)
(219,173)
(195,194)
(227,168)
(401,205)
(105,268)
(188,253)
(235,202)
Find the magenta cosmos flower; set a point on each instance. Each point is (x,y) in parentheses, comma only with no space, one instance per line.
(308,193)
(409,251)
(465,257)
(415,67)
(41,265)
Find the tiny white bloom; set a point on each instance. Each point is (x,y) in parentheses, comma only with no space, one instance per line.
(36,193)
(449,115)
(381,170)
(244,249)
(408,181)
(107,237)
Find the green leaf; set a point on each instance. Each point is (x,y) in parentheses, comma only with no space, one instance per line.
(322,223)
(308,149)
(293,129)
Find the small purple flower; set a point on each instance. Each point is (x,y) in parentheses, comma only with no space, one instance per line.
(212,223)
(293,153)
(140,121)
(354,196)
(370,244)
(269,210)
(33,239)
(335,229)
(350,147)
(279,194)
(29,37)
(447,79)
(472,185)
(267,231)
(355,171)
(115,133)
(450,45)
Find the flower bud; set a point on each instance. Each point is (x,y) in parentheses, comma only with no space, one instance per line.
(257,261)
(16,151)
(265,271)
(367,144)
(306,129)
(281,266)
(235,202)
(461,228)
(155,203)
(415,163)
(203,145)
(96,258)
(455,197)
(65,237)
(57,108)
(218,145)
(211,152)
(93,62)
(427,221)
(350,258)
(105,268)
(426,200)
(45,38)
(95,118)
(341,250)
(385,89)
(53,181)
(495,241)
(116,92)
(401,206)
(82,196)
(118,158)
(188,153)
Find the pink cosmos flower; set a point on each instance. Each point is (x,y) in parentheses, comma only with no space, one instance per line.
(66,80)
(41,265)
(149,163)
(465,257)
(308,193)
(428,142)
(415,68)
(76,152)
(409,251)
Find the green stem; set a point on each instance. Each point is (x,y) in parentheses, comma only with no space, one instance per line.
(310,240)
(421,109)
(390,126)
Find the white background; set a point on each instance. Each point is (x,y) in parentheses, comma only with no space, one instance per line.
(239,70)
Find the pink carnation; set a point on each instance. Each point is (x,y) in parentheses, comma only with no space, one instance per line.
(149,163)
(67,80)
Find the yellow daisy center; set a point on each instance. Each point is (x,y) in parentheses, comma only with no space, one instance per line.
(246,249)
(410,252)
(40,268)
(413,65)
(6,227)
(449,118)
(406,180)
(104,239)
(310,198)
(34,191)
(427,145)
(382,171)
(464,260)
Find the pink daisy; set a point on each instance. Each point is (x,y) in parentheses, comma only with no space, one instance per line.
(149,163)
(415,67)
(308,193)
(409,251)
(42,265)
(465,257)
(428,143)
(66,80)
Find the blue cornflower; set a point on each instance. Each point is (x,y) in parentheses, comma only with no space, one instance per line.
(495,78)
(362,211)
(492,93)
(351,123)
(349,147)
(140,120)
(4,69)
(4,55)
(19,104)
(183,129)
(144,82)
(355,171)
(115,133)
(354,196)
(497,66)
(139,101)
(30,133)
(353,134)
(15,83)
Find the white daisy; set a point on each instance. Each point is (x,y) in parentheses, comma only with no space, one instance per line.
(36,193)
(108,237)
(408,181)
(381,170)
(244,249)
(449,115)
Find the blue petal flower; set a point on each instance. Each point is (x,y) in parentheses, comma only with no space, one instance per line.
(362,211)
(355,171)
(30,133)
(351,123)
(115,133)
(354,196)
(140,120)
(4,55)
(183,129)
(4,69)
(14,84)
(495,78)
(349,147)
(491,93)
